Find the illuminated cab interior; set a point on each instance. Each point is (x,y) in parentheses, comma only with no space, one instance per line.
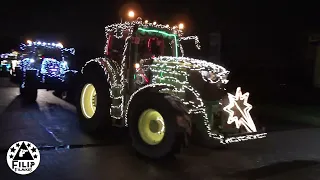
(154,43)
(148,43)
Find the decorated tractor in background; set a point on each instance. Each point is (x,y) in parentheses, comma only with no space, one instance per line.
(8,62)
(144,83)
(44,66)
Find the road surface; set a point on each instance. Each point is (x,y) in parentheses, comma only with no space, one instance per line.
(289,151)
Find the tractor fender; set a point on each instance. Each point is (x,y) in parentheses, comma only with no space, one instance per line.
(109,71)
(183,121)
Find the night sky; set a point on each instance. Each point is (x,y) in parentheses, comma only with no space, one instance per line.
(255,33)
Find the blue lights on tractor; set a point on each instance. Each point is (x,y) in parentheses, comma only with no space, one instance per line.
(53,67)
(49,60)
(39,43)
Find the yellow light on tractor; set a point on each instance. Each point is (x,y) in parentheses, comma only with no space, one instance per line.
(181,26)
(154,23)
(29,41)
(137,65)
(131,14)
(146,21)
(59,45)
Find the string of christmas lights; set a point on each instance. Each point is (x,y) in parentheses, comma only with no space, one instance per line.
(118,30)
(187,38)
(48,45)
(71,50)
(8,55)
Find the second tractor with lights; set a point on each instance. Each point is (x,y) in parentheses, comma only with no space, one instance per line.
(44,66)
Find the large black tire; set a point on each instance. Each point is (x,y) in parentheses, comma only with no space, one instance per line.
(29,91)
(72,82)
(101,118)
(68,90)
(13,78)
(4,71)
(18,75)
(175,136)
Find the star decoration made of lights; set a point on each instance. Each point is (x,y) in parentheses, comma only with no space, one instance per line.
(238,109)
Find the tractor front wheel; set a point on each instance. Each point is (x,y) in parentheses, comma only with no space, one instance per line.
(154,127)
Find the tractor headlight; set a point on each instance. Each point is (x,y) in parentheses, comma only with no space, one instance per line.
(213,77)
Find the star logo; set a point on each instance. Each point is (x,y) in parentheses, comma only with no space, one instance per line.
(13,149)
(23,157)
(238,109)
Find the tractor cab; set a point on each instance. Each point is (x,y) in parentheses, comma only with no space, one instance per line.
(134,45)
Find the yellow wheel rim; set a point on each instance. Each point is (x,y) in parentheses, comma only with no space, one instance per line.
(88,101)
(151,127)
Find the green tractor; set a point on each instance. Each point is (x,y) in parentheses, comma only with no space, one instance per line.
(164,99)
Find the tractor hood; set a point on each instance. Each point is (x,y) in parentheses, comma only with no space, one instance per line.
(206,77)
(210,72)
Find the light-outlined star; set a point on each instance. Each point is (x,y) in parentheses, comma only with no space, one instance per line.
(239,102)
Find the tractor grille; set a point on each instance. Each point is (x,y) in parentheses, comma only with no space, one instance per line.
(50,67)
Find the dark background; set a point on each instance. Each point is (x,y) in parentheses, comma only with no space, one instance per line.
(267,38)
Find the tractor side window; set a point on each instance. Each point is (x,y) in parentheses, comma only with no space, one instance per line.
(190,49)
(115,48)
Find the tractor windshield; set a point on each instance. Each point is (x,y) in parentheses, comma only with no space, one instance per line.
(155,43)
(54,53)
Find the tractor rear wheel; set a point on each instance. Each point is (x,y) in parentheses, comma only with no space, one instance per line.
(28,87)
(93,103)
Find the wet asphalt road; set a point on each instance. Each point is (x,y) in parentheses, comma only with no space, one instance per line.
(289,151)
